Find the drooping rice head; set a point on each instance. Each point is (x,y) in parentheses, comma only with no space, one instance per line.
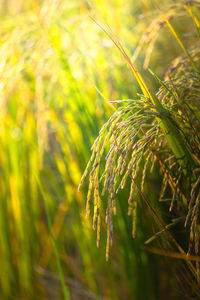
(133,139)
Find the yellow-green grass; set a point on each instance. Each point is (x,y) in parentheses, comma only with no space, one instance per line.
(58,71)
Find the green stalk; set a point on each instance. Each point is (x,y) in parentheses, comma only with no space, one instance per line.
(58,261)
(178,38)
(167,124)
(194,18)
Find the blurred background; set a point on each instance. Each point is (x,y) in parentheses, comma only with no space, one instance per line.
(58,71)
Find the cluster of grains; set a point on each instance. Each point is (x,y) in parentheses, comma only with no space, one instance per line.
(132,138)
(180,93)
(126,137)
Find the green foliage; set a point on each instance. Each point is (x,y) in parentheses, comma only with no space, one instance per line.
(162,130)
(50,114)
(58,70)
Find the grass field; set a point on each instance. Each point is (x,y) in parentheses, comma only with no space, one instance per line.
(62,79)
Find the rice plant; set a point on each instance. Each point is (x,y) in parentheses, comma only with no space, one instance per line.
(161,130)
(58,70)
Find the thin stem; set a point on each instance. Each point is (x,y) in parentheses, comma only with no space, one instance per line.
(58,261)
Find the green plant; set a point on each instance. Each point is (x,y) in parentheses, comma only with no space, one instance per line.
(161,130)
(48,121)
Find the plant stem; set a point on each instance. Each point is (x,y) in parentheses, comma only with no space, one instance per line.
(58,261)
